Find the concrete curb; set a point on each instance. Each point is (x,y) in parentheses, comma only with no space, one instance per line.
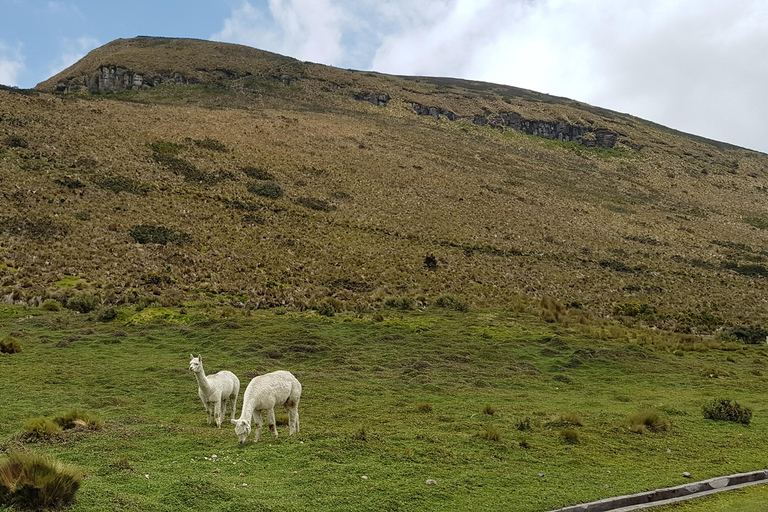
(648,499)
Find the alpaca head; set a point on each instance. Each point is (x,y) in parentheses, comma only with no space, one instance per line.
(196,363)
(242,429)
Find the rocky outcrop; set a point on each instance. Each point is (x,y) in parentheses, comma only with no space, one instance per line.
(377,98)
(116,78)
(553,130)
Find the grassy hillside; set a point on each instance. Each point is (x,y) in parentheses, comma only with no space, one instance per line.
(502,410)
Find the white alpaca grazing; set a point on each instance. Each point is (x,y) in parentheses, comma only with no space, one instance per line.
(263,394)
(216,391)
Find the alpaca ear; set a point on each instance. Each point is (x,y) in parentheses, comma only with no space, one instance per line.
(191,356)
(200,357)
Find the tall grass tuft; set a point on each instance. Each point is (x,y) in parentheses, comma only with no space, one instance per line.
(489,410)
(570,435)
(34,481)
(491,433)
(551,310)
(78,418)
(648,420)
(40,427)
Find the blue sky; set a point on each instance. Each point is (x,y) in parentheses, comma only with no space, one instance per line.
(695,65)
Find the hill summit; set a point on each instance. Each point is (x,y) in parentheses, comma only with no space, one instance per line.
(160,169)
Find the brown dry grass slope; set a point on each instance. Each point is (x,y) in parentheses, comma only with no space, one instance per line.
(673,224)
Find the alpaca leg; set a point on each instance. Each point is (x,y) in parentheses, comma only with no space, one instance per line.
(293,420)
(233,398)
(209,411)
(223,410)
(271,421)
(217,414)
(259,425)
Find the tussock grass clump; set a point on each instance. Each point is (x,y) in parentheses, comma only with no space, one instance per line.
(15,141)
(50,305)
(257,173)
(34,481)
(40,427)
(551,310)
(38,228)
(570,436)
(118,184)
(268,189)
(325,308)
(430,261)
(424,407)
(491,433)
(145,234)
(523,425)
(725,409)
(10,345)
(212,144)
(78,418)
(648,420)
(489,410)
(107,314)
(566,419)
(451,302)
(84,303)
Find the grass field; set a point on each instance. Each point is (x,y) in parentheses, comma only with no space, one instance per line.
(477,401)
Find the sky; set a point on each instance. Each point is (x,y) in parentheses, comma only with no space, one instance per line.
(699,66)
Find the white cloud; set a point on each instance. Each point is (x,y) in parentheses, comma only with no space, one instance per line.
(694,65)
(72,50)
(305,29)
(11,64)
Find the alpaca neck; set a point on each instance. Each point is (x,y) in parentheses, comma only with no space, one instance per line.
(202,380)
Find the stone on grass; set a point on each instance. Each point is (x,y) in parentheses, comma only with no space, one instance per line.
(431,482)
(686,474)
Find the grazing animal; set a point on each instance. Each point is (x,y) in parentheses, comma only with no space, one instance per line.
(216,390)
(263,394)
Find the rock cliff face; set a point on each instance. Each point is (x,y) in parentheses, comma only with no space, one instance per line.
(559,130)
(116,78)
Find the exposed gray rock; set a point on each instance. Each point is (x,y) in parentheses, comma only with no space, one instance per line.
(559,130)
(379,99)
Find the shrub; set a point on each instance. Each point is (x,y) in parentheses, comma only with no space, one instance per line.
(40,427)
(314,203)
(14,141)
(83,216)
(165,148)
(570,436)
(404,303)
(77,418)
(51,305)
(451,302)
(10,346)
(750,335)
(84,303)
(489,410)
(648,420)
(268,189)
(119,184)
(145,234)
(106,314)
(724,409)
(430,261)
(186,169)
(257,173)
(325,308)
(491,433)
(69,182)
(424,407)
(34,481)
(634,309)
(211,144)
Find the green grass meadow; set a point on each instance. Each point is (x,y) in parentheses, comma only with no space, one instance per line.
(476,401)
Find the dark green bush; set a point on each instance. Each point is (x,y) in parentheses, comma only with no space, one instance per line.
(268,189)
(84,303)
(315,204)
(451,302)
(165,148)
(430,262)
(191,173)
(634,309)
(107,314)
(145,234)
(211,144)
(51,305)
(15,141)
(69,182)
(724,409)
(325,308)
(749,335)
(34,481)
(404,303)
(10,346)
(36,228)
(257,173)
(119,184)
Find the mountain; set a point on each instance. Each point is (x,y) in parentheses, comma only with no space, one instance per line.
(178,170)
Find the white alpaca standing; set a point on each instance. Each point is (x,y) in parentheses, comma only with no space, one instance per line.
(216,390)
(263,394)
